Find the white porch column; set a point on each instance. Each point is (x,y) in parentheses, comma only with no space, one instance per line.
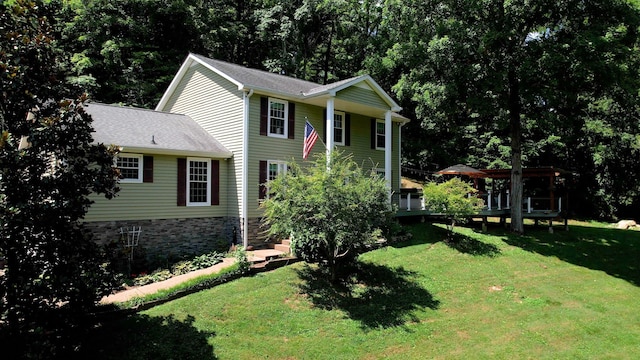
(329,127)
(387,150)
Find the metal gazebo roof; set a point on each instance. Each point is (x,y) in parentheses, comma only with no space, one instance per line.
(461,169)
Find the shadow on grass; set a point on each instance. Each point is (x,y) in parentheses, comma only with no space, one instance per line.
(145,337)
(376,296)
(428,233)
(616,252)
(471,246)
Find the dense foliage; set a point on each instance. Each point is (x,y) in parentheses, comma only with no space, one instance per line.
(331,211)
(452,199)
(488,83)
(524,83)
(48,167)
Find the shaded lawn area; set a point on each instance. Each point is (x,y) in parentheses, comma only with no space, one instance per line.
(484,295)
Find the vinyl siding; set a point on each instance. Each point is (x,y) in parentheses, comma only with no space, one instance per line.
(270,148)
(216,104)
(364,96)
(157,200)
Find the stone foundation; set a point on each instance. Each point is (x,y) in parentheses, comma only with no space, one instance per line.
(170,238)
(175,238)
(258,237)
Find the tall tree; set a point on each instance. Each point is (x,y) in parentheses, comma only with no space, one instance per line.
(528,70)
(127,51)
(48,167)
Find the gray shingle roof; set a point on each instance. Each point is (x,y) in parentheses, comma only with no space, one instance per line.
(139,128)
(253,78)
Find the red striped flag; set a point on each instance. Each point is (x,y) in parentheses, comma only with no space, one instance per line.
(310,137)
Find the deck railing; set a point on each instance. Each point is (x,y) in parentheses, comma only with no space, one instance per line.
(414,200)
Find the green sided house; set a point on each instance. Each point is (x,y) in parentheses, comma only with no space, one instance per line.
(219,133)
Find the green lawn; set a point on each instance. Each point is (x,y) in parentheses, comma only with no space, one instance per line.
(568,295)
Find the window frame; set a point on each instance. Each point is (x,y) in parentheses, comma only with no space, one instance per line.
(380,121)
(285,118)
(189,181)
(342,129)
(140,177)
(282,168)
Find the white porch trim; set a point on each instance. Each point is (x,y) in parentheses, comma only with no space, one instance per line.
(329,126)
(387,150)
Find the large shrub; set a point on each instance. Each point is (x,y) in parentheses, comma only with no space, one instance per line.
(332,211)
(455,199)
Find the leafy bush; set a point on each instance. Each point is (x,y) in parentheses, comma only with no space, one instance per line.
(452,199)
(330,212)
(199,262)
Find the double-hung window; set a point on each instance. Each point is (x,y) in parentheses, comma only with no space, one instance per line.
(130,166)
(380,135)
(339,126)
(198,182)
(278,115)
(275,168)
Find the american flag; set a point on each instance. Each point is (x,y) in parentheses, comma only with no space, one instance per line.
(310,137)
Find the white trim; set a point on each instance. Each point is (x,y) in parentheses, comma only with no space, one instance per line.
(285,130)
(140,167)
(174,83)
(354,82)
(400,154)
(245,169)
(281,169)
(387,150)
(208,163)
(380,121)
(329,127)
(344,126)
(156,151)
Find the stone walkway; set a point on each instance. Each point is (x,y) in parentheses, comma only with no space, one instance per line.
(257,258)
(153,288)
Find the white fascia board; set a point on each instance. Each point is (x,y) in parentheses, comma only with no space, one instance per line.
(155,151)
(217,71)
(174,83)
(372,83)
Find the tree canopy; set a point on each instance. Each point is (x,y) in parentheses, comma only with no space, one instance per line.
(521,82)
(470,74)
(48,167)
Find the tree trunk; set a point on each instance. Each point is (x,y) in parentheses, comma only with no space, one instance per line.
(517,225)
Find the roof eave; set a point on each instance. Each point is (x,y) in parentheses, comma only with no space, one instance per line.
(156,151)
(369,80)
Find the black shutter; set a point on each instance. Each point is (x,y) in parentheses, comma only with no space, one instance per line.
(324,126)
(215,182)
(373,133)
(292,120)
(347,129)
(263,180)
(147,169)
(182,182)
(264,110)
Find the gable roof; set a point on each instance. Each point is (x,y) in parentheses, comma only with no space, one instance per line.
(152,132)
(246,78)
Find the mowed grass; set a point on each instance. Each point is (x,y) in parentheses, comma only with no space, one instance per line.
(494,295)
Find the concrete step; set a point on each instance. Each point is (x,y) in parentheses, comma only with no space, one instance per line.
(262,255)
(286,242)
(282,247)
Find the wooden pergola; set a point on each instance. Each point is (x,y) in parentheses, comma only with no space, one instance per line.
(549,172)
